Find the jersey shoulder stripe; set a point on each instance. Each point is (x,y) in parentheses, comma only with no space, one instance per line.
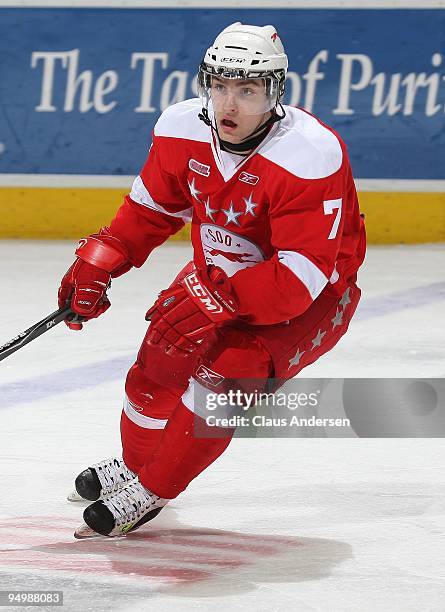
(181,121)
(303,146)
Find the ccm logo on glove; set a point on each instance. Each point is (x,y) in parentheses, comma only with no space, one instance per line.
(198,290)
(185,314)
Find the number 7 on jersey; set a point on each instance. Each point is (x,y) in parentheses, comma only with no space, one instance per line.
(329,207)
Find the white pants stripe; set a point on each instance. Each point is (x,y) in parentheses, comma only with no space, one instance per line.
(133,413)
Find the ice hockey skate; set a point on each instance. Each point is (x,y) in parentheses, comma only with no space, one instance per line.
(101,479)
(120,513)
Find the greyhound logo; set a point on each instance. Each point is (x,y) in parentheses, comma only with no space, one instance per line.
(239,257)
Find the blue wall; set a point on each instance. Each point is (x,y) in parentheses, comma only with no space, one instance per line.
(361,53)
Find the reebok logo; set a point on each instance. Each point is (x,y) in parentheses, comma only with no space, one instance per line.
(250,179)
(208,376)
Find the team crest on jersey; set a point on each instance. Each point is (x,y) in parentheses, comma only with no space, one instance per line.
(250,179)
(196,166)
(228,250)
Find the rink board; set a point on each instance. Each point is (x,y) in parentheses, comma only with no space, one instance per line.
(69,108)
(391,217)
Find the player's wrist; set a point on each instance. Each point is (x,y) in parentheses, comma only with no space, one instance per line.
(104,251)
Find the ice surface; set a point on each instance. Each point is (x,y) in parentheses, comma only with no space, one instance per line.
(340,524)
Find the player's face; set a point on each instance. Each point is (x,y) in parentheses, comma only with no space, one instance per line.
(240,106)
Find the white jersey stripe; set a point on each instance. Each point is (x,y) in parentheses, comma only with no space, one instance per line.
(306,271)
(139,194)
(188,397)
(141,420)
(195,398)
(334,277)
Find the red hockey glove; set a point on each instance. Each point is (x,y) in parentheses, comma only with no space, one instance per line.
(183,315)
(100,257)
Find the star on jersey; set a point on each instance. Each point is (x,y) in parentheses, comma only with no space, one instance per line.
(345,298)
(209,210)
(250,205)
(317,340)
(193,189)
(338,319)
(231,214)
(296,359)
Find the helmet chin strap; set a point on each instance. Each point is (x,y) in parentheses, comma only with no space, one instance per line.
(251,141)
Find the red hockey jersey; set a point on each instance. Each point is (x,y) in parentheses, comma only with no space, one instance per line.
(283,222)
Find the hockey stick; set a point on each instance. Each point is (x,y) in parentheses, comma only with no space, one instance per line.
(34,332)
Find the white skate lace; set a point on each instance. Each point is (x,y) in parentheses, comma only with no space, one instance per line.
(113,474)
(132,503)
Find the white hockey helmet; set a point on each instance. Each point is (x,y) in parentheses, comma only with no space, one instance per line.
(245,52)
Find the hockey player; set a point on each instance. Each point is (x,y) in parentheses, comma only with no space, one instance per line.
(277,238)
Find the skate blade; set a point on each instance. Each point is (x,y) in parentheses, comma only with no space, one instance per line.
(83,532)
(75,497)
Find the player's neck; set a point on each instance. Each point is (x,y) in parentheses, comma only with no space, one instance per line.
(246,146)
